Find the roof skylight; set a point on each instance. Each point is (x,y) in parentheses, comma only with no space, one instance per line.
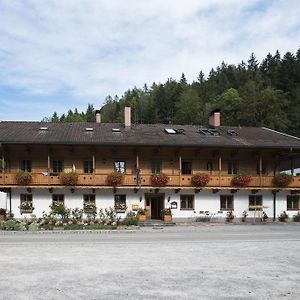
(43,128)
(89,129)
(116,130)
(232,132)
(170,130)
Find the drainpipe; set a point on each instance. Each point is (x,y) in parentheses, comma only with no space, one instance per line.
(274,205)
(9,191)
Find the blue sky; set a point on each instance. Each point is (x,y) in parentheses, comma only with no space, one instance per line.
(61,54)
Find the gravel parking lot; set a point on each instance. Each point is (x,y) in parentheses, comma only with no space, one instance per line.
(192,262)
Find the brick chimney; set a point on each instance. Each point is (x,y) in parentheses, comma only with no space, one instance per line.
(215,118)
(127,116)
(98,117)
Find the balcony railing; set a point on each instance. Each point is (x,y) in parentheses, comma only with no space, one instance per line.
(131,180)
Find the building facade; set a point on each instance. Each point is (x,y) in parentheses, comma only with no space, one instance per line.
(193,170)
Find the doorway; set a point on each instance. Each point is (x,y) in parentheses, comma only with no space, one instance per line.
(154,204)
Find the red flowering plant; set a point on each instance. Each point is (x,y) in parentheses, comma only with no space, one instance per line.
(69,178)
(23,177)
(241,180)
(159,179)
(282,179)
(114,179)
(200,179)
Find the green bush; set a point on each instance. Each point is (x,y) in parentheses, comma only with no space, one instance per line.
(14,225)
(296,218)
(73,227)
(100,227)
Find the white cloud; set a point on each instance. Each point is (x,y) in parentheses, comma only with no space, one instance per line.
(95,48)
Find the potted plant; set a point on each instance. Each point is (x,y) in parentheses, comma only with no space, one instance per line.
(69,178)
(244,217)
(283,217)
(241,180)
(141,213)
(167,214)
(201,179)
(296,217)
(89,208)
(264,217)
(229,216)
(114,179)
(282,179)
(26,208)
(159,179)
(23,177)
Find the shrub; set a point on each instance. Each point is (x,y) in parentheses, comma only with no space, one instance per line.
(73,227)
(200,179)
(282,179)
(296,217)
(69,178)
(229,216)
(245,215)
(283,217)
(100,227)
(130,219)
(23,177)
(241,180)
(159,179)
(58,208)
(265,217)
(114,179)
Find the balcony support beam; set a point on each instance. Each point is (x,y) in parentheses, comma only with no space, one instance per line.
(180,169)
(260,170)
(48,166)
(220,169)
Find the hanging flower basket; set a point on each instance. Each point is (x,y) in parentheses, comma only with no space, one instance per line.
(23,177)
(69,178)
(200,179)
(159,179)
(114,179)
(282,179)
(241,180)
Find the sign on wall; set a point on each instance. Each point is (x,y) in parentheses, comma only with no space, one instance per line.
(174,205)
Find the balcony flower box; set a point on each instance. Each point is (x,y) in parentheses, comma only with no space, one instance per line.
(282,179)
(200,179)
(69,178)
(26,208)
(159,179)
(114,179)
(241,180)
(23,177)
(89,208)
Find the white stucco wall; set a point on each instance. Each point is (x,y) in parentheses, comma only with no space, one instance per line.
(205,200)
(2,200)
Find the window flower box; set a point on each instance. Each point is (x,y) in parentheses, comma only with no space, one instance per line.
(26,208)
(114,179)
(282,179)
(69,178)
(23,177)
(241,180)
(120,207)
(159,179)
(200,179)
(89,208)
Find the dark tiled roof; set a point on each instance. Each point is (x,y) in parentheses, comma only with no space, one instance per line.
(144,134)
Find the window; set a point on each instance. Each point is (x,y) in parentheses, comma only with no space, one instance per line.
(90,199)
(120,203)
(120,167)
(88,166)
(58,198)
(255,200)
(226,202)
(209,166)
(26,165)
(155,167)
(264,168)
(26,198)
(293,202)
(186,168)
(57,166)
(232,167)
(186,202)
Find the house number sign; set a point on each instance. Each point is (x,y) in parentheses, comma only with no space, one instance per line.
(173,205)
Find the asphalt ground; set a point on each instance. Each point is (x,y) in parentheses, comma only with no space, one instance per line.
(181,262)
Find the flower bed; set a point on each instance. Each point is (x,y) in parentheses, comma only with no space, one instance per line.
(282,179)
(23,177)
(114,179)
(69,178)
(200,179)
(159,179)
(241,180)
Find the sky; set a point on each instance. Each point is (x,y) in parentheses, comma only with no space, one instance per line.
(61,54)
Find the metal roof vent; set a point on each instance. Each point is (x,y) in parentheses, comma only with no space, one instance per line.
(232,132)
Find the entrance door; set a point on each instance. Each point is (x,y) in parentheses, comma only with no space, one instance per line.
(154,205)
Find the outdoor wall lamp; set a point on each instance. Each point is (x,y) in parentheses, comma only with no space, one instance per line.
(141,198)
(169,198)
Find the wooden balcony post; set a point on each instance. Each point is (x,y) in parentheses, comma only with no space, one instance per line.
(94,167)
(137,169)
(180,170)
(260,170)
(48,167)
(220,169)
(292,166)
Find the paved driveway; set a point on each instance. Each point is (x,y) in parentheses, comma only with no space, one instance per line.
(203,262)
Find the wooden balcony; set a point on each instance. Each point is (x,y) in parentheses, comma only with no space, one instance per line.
(8,180)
